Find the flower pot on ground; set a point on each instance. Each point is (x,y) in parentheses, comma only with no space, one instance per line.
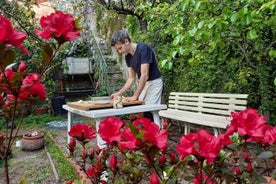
(41,108)
(33,141)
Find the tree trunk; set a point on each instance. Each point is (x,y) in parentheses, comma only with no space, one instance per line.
(6,169)
(143,25)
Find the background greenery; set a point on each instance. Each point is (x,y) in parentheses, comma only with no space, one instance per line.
(202,46)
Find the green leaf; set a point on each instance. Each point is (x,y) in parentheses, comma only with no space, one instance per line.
(266,155)
(8,58)
(275,81)
(252,34)
(184,6)
(192,32)
(272,53)
(200,24)
(47,54)
(234,17)
(173,54)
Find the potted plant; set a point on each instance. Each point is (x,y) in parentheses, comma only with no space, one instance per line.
(41,107)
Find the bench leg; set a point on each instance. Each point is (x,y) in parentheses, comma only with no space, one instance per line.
(216,131)
(100,142)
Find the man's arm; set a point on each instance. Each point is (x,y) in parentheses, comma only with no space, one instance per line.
(130,81)
(142,81)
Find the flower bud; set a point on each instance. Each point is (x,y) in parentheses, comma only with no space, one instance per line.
(22,67)
(249,167)
(113,162)
(84,154)
(237,170)
(162,159)
(154,179)
(246,157)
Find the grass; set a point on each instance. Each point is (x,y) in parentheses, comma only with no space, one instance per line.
(65,170)
(33,121)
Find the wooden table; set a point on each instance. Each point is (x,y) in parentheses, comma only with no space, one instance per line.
(100,114)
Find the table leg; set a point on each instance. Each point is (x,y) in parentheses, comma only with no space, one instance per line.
(69,124)
(100,142)
(156,118)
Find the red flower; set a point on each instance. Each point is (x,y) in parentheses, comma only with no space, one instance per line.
(72,145)
(91,172)
(1,100)
(84,154)
(109,129)
(22,67)
(31,86)
(237,170)
(154,179)
(186,146)
(70,182)
(153,134)
(248,122)
(203,178)
(113,162)
(208,145)
(82,132)
(269,135)
(10,36)
(59,25)
(162,159)
(246,157)
(172,157)
(129,140)
(249,167)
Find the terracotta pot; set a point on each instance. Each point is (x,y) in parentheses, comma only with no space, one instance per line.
(32,143)
(42,110)
(270,180)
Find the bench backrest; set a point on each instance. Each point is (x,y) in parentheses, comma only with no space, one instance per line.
(208,103)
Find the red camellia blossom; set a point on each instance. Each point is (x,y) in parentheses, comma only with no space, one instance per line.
(185,146)
(9,36)
(59,25)
(269,135)
(109,129)
(153,134)
(129,140)
(81,132)
(154,179)
(208,145)
(248,122)
(31,86)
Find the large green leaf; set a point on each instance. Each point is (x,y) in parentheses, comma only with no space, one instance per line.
(47,54)
(8,58)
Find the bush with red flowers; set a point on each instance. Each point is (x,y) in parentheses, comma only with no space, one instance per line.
(137,152)
(19,87)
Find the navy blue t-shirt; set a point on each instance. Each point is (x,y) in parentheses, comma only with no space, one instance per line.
(143,54)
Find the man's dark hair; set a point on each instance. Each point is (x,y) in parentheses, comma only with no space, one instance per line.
(119,37)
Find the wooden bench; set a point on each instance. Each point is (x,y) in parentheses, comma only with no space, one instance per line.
(211,110)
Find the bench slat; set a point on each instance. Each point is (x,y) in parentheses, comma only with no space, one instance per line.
(213,100)
(207,109)
(207,120)
(216,95)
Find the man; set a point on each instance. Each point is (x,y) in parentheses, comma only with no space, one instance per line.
(141,62)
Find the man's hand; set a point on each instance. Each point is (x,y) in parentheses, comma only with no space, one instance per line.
(114,95)
(132,98)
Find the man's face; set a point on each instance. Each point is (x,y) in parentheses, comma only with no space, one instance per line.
(122,48)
